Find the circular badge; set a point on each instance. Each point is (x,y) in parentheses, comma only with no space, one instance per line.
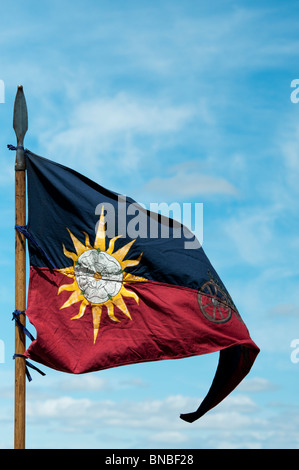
(214,303)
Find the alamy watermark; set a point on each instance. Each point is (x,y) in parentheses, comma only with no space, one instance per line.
(295,353)
(2,92)
(159,220)
(295,93)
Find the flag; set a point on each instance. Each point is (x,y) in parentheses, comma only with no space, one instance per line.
(112,283)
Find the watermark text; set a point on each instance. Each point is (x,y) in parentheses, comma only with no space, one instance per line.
(159,220)
(295,93)
(295,353)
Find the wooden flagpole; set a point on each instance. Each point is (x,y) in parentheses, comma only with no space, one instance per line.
(20,125)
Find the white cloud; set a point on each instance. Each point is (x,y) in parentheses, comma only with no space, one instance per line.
(234,423)
(238,403)
(256,384)
(85,382)
(127,113)
(59,408)
(93,383)
(188,184)
(169,436)
(159,414)
(286,310)
(114,126)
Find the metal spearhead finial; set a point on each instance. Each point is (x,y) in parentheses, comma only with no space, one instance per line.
(20,125)
(20,116)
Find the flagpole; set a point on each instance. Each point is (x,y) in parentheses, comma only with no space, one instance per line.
(20,125)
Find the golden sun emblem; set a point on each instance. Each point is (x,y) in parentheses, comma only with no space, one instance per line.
(99,276)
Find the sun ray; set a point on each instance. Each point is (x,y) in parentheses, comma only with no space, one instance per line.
(121,253)
(82,308)
(68,287)
(96,316)
(69,271)
(129,293)
(69,254)
(130,262)
(131,278)
(119,302)
(87,241)
(110,310)
(79,247)
(111,244)
(75,297)
(99,242)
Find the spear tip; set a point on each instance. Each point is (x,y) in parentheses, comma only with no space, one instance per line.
(20,115)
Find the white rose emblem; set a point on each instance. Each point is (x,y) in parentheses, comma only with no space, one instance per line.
(98,275)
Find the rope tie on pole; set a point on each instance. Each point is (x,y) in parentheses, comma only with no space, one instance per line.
(28,364)
(12,147)
(15,316)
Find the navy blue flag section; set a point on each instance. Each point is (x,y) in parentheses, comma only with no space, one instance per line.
(112,283)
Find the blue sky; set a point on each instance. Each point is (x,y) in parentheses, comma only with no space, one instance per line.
(166,101)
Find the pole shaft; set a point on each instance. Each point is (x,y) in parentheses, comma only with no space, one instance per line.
(20,304)
(20,125)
